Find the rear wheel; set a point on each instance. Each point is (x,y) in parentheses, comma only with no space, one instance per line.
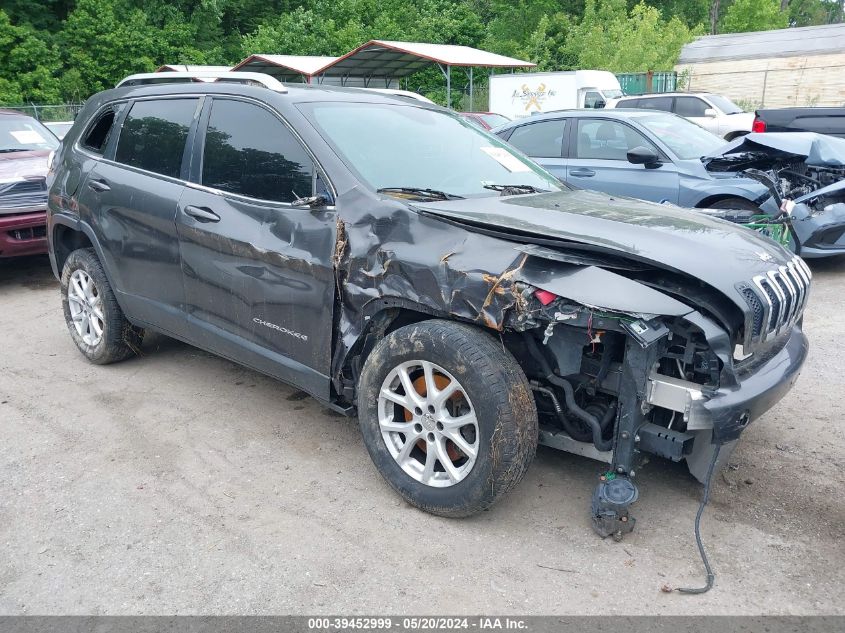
(447,416)
(94,319)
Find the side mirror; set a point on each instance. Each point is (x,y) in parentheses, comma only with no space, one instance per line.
(710,112)
(311,202)
(643,156)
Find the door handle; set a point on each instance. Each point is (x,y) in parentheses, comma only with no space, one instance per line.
(203,214)
(582,173)
(98,185)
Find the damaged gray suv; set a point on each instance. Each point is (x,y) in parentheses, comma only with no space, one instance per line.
(400,264)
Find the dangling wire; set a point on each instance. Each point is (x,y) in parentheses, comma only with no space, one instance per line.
(710,575)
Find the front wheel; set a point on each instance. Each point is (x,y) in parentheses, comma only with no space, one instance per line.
(447,416)
(745,213)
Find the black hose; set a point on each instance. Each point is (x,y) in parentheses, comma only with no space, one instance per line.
(569,396)
(710,575)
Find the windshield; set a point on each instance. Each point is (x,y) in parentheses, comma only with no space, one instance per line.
(393,145)
(684,138)
(724,104)
(22,134)
(494,119)
(613,93)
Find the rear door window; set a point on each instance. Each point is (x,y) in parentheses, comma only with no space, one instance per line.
(543,139)
(657,103)
(690,106)
(249,151)
(154,133)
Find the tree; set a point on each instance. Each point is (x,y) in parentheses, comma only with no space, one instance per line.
(610,38)
(29,62)
(754,15)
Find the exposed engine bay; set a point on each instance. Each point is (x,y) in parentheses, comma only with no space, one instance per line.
(805,175)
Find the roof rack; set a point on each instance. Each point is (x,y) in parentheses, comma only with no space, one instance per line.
(203,75)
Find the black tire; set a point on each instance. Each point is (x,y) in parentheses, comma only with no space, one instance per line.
(735,203)
(501,398)
(120,339)
(745,209)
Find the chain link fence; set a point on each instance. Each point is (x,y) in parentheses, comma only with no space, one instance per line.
(47,113)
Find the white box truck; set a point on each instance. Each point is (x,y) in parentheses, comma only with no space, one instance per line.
(520,95)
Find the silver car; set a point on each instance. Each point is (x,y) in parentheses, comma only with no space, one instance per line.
(661,157)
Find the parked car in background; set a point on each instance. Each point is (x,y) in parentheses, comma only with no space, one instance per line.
(662,157)
(25,147)
(521,95)
(485,120)
(59,128)
(715,113)
(395,261)
(820,120)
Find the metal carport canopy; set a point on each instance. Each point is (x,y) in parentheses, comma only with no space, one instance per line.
(285,67)
(383,59)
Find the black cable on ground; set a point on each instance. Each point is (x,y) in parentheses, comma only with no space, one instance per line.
(710,575)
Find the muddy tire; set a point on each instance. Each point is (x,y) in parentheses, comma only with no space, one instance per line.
(743,206)
(447,416)
(735,204)
(94,319)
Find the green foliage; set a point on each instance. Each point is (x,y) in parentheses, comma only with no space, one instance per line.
(65,50)
(611,38)
(810,12)
(754,15)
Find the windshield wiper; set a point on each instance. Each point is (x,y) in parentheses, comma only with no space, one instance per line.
(8,150)
(515,190)
(422,193)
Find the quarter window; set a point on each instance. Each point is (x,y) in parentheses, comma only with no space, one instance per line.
(540,140)
(607,140)
(248,151)
(154,134)
(97,136)
(690,106)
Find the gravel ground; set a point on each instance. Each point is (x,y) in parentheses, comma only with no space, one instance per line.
(180,483)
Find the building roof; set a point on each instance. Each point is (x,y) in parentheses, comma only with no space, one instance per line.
(795,42)
(383,58)
(191,68)
(285,67)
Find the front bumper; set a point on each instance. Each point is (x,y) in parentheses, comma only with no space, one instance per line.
(821,233)
(23,234)
(728,410)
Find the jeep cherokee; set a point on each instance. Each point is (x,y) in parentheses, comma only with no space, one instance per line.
(396,262)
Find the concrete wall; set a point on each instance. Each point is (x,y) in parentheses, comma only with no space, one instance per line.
(817,80)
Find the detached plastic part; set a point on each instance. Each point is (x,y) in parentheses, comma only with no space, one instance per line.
(545,297)
(611,499)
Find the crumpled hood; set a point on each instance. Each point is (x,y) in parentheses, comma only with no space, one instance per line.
(23,165)
(718,252)
(818,150)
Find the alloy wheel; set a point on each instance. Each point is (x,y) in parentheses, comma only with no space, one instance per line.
(86,307)
(428,423)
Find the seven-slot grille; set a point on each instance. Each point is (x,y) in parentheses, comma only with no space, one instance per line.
(777,299)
